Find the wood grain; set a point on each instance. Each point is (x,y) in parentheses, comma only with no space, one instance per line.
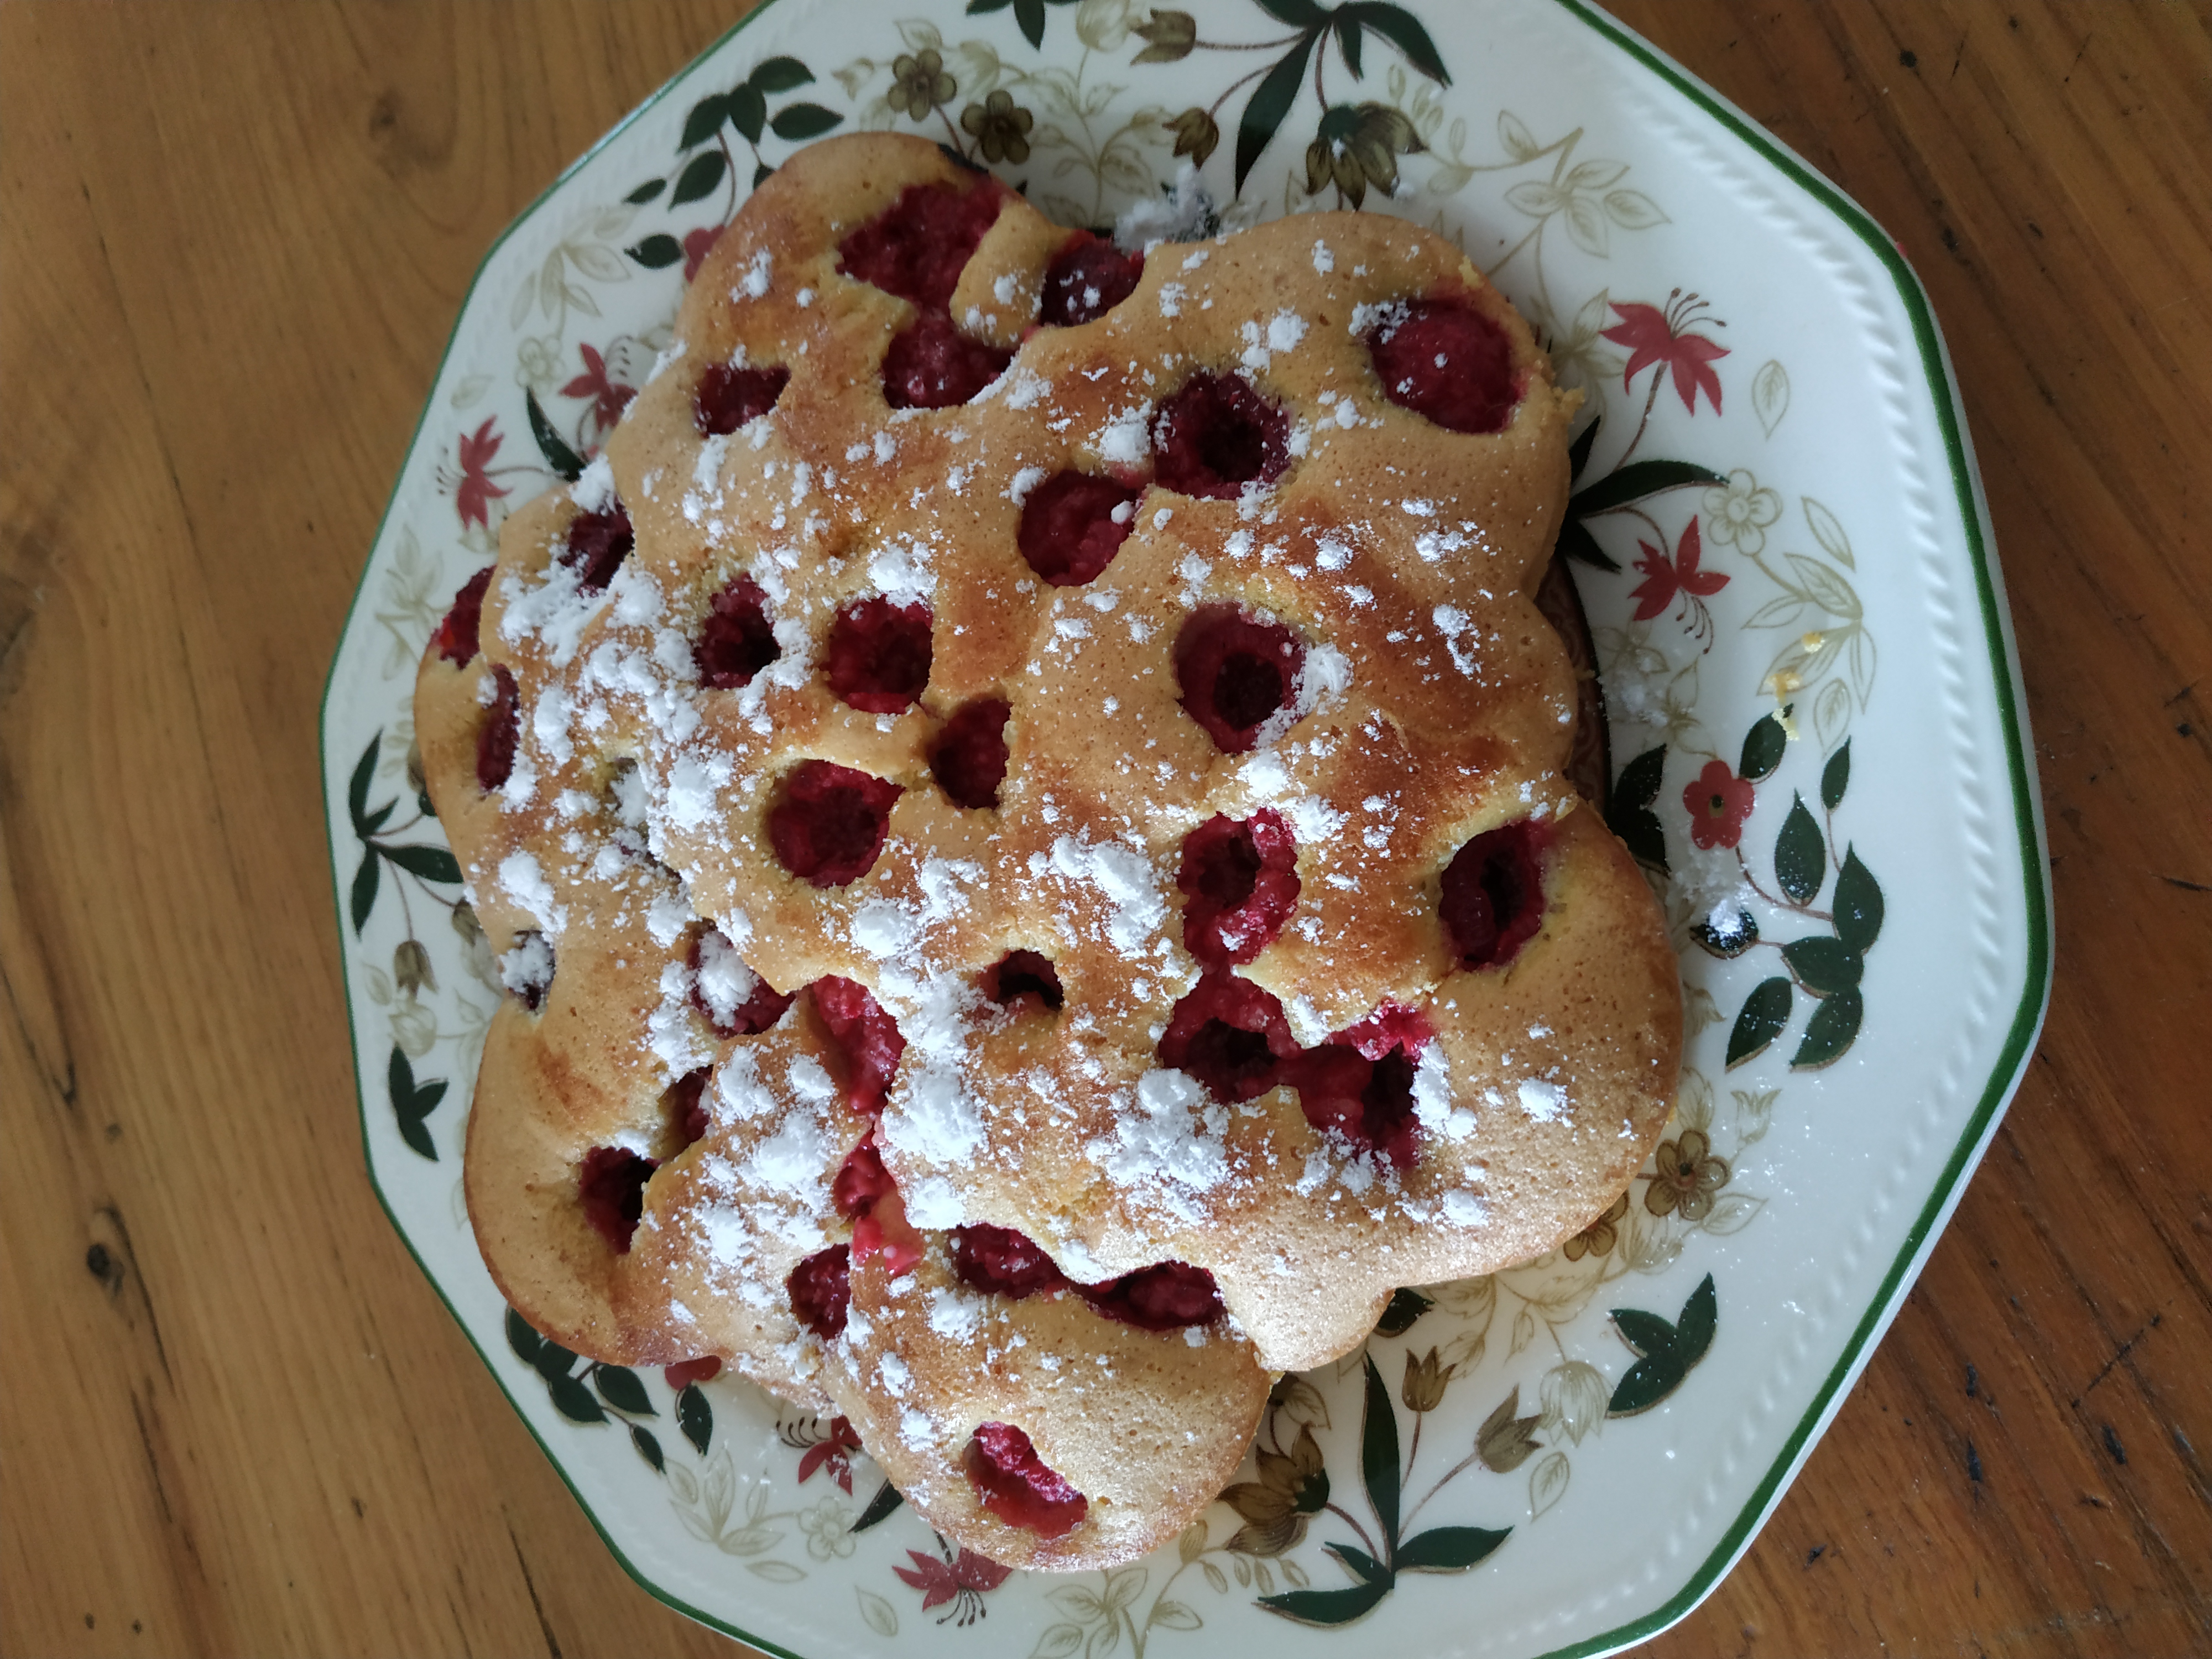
(234,1417)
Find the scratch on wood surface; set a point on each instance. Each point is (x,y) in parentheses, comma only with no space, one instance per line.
(544,1625)
(2122,1354)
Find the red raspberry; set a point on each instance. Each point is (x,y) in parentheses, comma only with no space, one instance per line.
(612,1184)
(1370,1102)
(1068,532)
(501,730)
(929,364)
(1237,673)
(830,826)
(729,397)
(1020,974)
(1230,1035)
(969,759)
(868,1038)
(879,655)
(821,1289)
(456,638)
(597,543)
(861,1180)
(687,1106)
(1218,434)
(1011,1482)
(1002,1261)
(735,639)
(1446,360)
(917,247)
(1493,895)
(1164,1298)
(1087,278)
(1240,883)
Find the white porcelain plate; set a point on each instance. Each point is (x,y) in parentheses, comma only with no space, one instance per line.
(1777,508)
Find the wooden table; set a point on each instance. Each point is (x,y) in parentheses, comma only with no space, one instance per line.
(234,1418)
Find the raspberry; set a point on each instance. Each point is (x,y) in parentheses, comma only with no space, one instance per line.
(502,727)
(736,1001)
(929,364)
(735,639)
(1370,1102)
(830,826)
(1070,530)
(1021,974)
(1012,1483)
(1218,434)
(1390,1026)
(861,1180)
(1240,883)
(1002,1261)
(1164,1298)
(867,1037)
(1445,360)
(879,655)
(456,638)
(1230,1035)
(917,247)
(612,1185)
(1086,279)
(970,760)
(597,543)
(821,1289)
(1237,673)
(729,397)
(687,1107)
(1493,895)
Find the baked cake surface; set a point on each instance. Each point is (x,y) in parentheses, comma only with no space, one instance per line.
(1024,801)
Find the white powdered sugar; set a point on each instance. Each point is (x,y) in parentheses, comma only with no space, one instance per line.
(1711,883)
(1125,439)
(1123,875)
(1432,1097)
(932,1203)
(1168,1141)
(1464,1209)
(1545,1101)
(1024,481)
(753,282)
(671,1029)
(524,878)
(1452,623)
(725,984)
(904,571)
(527,969)
(694,785)
(594,488)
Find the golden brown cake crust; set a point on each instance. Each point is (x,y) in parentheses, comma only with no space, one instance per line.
(1432,704)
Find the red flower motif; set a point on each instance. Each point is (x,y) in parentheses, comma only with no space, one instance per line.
(1718,802)
(834,1453)
(1663,578)
(1654,336)
(685,1372)
(695,245)
(474,496)
(609,398)
(962,1582)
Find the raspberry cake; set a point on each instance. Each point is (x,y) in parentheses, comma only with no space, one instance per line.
(1024,803)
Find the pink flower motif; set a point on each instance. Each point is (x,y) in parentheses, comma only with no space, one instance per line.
(695,245)
(961,1582)
(836,1453)
(476,492)
(1718,802)
(1657,337)
(1664,579)
(609,398)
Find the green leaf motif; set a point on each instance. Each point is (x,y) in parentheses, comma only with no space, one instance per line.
(796,123)
(376,820)
(776,75)
(1823,966)
(1402,29)
(1636,481)
(1836,776)
(1693,1331)
(1348,39)
(887,1499)
(565,462)
(1379,1451)
(1648,1381)
(1449,1549)
(364,772)
(1325,1608)
(1578,452)
(701,174)
(1832,1028)
(1766,1011)
(1578,544)
(430,863)
(704,120)
(645,191)
(365,881)
(554,1362)
(619,1387)
(411,1102)
(573,1401)
(1264,114)
(657,252)
(694,1417)
(1858,903)
(1030,15)
(1763,746)
(1298,13)
(1406,1306)
(748,111)
(1800,855)
(1646,1333)
(647,1447)
(1629,814)
(525,1341)
(1726,946)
